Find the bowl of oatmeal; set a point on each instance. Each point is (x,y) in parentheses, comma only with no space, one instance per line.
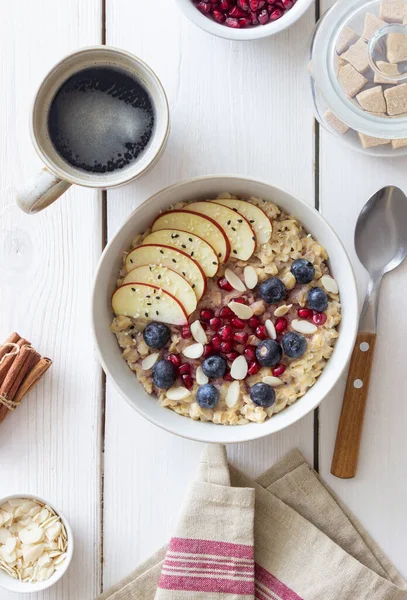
(224,309)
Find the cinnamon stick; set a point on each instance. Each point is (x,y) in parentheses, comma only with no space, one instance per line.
(33,378)
(12,339)
(24,362)
(9,360)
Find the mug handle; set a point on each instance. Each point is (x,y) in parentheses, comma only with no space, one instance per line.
(41,191)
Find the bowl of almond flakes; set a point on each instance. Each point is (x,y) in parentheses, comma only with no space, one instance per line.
(36,544)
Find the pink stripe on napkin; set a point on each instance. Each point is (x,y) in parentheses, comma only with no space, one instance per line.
(194,546)
(269,587)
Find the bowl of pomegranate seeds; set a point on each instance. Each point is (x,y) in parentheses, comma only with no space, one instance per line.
(243,19)
(224,316)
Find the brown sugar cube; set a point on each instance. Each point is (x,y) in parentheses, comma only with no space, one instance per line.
(351,80)
(372,24)
(396,47)
(346,39)
(401,143)
(335,123)
(356,55)
(385,67)
(396,99)
(370,142)
(339,63)
(372,100)
(392,11)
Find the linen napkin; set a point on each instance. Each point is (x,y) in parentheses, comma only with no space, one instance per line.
(307,545)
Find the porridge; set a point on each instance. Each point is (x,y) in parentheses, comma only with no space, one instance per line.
(226,310)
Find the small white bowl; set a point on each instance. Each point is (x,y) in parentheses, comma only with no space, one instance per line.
(14,585)
(250,33)
(105,283)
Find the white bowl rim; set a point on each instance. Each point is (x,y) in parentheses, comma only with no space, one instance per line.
(32,588)
(251,33)
(250,431)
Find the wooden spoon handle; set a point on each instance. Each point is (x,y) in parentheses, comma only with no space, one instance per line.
(345,459)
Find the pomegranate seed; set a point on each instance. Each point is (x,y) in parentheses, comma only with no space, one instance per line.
(225,4)
(264,17)
(256,4)
(254,368)
(215,323)
(226,333)
(175,359)
(261,332)
(234,23)
(254,18)
(279,370)
(250,353)
(226,313)
(231,356)
(287,4)
(245,22)
(216,342)
(204,7)
(305,313)
(276,14)
(239,300)
(206,315)
(185,332)
(226,347)
(237,323)
(218,16)
(204,326)
(187,381)
(237,12)
(223,283)
(281,324)
(243,4)
(185,369)
(254,322)
(241,337)
(227,376)
(208,350)
(319,318)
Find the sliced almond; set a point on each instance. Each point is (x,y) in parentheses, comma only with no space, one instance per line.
(241,310)
(193,351)
(282,310)
(32,552)
(250,277)
(31,536)
(304,326)
(329,284)
(235,281)
(200,377)
(177,393)
(273,381)
(271,330)
(149,361)
(239,368)
(233,394)
(198,332)
(4,535)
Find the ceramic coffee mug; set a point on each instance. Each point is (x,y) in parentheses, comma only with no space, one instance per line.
(58,174)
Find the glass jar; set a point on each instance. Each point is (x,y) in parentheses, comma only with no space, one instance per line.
(358,74)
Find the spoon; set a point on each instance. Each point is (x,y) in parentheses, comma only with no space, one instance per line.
(381,246)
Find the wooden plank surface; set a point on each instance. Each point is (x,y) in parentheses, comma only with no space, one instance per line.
(235,108)
(51,444)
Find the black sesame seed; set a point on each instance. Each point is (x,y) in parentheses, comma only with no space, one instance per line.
(233,228)
(159,277)
(229,222)
(214,263)
(173,260)
(151,268)
(193,285)
(156,312)
(133,289)
(220,254)
(148,296)
(253,238)
(149,304)
(240,220)
(251,220)
(192,253)
(146,314)
(183,246)
(190,239)
(235,209)
(184,274)
(234,251)
(162,251)
(157,298)
(131,260)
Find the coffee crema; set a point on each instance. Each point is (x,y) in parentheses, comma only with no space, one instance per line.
(101,120)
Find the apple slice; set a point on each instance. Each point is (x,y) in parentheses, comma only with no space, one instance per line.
(142,301)
(256,216)
(205,227)
(236,227)
(190,243)
(165,256)
(166,279)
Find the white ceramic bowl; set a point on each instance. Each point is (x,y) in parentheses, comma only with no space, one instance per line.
(105,283)
(251,33)
(14,585)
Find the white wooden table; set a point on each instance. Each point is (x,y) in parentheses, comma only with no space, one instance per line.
(236,108)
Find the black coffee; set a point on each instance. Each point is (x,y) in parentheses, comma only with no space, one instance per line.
(101,119)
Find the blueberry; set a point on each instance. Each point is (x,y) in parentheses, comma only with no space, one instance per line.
(269,353)
(214,366)
(156,335)
(272,290)
(303,270)
(263,395)
(294,344)
(164,374)
(207,396)
(317,299)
